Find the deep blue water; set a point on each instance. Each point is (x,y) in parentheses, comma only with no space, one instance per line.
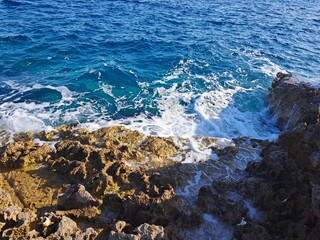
(196,67)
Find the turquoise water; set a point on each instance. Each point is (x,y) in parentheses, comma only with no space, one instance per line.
(182,68)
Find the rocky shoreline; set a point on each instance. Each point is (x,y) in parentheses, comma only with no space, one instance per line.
(115,183)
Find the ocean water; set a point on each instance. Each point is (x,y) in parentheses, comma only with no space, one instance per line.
(169,68)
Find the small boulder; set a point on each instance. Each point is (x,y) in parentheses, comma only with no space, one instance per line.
(78,197)
(147,231)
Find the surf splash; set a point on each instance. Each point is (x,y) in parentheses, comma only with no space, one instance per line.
(182,103)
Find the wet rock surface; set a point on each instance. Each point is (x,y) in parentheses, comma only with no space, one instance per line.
(294,100)
(284,185)
(279,196)
(115,183)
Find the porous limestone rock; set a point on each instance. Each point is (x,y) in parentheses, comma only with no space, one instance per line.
(23,153)
(143,232)
(76,198)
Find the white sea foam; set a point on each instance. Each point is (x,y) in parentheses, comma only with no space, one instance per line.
(107,89)
(214,114)
(40,142)
(269,68)
(183,67)
(22,121)
(260,63)
(221,117)
(183,110)
(21,116)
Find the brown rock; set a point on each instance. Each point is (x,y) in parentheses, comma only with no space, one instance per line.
(47,136)
(65,229)
(111,137)
(146,231)
(285,183)
(73,150)
(10,213)
(22,154)
(62,227)
(143,232)
(6,189)
(74,171)
(120,172)
(159,147)
(86,213)
(78,197)
(119,226)
(25,137)
(5,199)
(88,234)
(23,220)
(122,236)
(101,184)
(35,188)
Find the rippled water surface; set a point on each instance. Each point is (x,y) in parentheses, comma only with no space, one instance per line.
(166,67)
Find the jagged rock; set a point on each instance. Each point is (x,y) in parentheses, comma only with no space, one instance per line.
(2,224)
(119,173)
(111,137)
(285,183)
(65,229)
(159,147)
(134,176)
(22,154)
(48,223)
(143,232)
(101,184)
(62,227)
(46,136)
(147,231)
(185,215)
(228,207)
(73,150)
(88,234)
(10,213)
(251,231)
(8,194)
(74,171)
(5,199)
(122,236)
(294,100)
(23,220)
(34,235)
(27,136)
(87,213)
(62,132)
(78,198)
(303,142)
(119,226)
